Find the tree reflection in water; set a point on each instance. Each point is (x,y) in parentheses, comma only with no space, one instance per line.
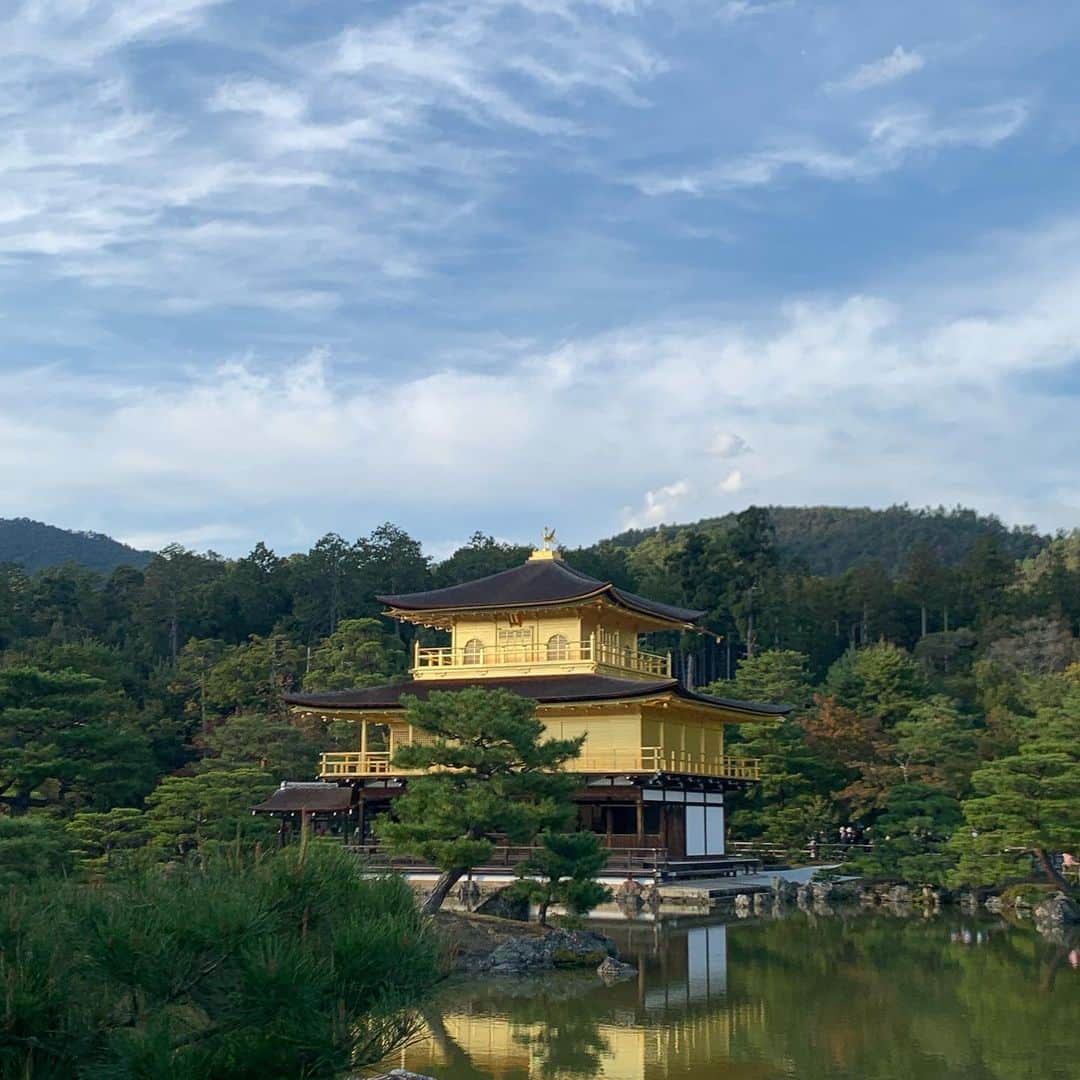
(865,997)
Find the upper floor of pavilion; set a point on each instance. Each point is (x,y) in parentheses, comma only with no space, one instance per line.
(540,618)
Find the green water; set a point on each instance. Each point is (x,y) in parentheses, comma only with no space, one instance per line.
(871,997)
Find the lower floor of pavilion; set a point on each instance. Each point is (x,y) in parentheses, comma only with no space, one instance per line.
(661,826)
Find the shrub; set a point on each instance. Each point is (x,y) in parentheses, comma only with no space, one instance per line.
(288,965)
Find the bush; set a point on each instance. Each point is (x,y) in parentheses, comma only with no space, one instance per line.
(289,965)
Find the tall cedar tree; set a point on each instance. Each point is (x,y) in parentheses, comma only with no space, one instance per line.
(497,778)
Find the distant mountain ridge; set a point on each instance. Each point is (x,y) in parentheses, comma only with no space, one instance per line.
(831,539)
(35,545)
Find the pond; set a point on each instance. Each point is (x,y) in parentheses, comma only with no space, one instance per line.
(866,997)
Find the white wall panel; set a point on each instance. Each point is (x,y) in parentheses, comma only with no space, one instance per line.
(714,829)
(695,830)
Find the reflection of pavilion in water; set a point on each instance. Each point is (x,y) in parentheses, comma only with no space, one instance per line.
(674,1019)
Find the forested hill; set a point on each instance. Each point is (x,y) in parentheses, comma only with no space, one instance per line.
(35,545)
(827,539)
(832,539)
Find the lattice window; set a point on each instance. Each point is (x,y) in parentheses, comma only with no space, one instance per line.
(473,652)
(558,648)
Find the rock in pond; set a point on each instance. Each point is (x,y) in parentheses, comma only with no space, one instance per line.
(557,949)
(1056,910)
(507,903)
(402,1074)
(612,970)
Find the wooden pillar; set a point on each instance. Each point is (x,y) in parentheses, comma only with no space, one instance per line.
(640,823)
(363,744)
(360,820)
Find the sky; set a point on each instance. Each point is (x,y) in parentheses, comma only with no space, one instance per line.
(270,268)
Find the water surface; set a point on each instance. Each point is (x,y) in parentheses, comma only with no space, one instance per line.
(870,997)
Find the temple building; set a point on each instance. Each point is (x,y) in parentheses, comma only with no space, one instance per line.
(654,766)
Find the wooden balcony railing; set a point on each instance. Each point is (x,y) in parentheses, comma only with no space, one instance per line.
(646,759)
(358,764)
(562,652)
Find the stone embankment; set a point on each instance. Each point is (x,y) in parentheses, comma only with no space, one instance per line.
(1054,914)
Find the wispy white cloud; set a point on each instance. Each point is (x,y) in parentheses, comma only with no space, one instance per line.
(726,444)
(116,184)
(731,483)
(887,143)
(661,505)
(733,10)
(887,69)
(74,33)
(274,102)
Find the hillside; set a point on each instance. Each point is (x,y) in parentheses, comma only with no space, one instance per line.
(830,539)
(34,545)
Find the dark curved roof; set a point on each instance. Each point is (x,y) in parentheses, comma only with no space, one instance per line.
(315,796)
(544,689)
(538,581)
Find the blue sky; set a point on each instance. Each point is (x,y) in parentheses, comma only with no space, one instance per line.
(274,268)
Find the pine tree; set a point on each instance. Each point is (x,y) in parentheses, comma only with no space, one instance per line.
(496,777)
(1025,806)
(562,870)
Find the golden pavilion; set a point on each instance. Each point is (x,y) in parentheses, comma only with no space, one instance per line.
(654,765)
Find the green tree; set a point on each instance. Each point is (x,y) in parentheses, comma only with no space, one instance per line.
(881,681)
(921,581)
(66,601)
(786,806)
(16,605)
(986,575)
(562,870)
(98,838)
(250,597)
(322,583)
(171,595)
(870,603)
(911,836)
(360,652)
(186,813)
(776,676)
(64,737)
(391,561)
(274,746)
(193,667)
(32,848)
(497,777)
(938,744)
(280,966)
(254,677)
(1024,805)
